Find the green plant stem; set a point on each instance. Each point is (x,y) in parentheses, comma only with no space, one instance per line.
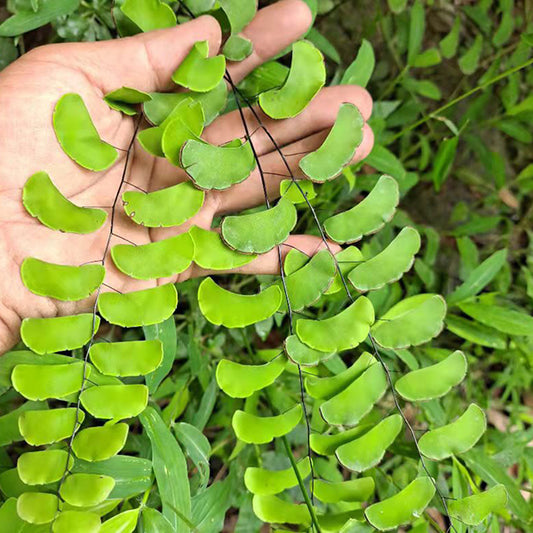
(301,484)
(461,97)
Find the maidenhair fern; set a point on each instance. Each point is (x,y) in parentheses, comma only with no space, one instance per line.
(75,479)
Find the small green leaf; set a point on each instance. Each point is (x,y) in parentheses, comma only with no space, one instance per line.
(47,427)
(86,490)
(48,335)
(44,201)
(125,100)
(265,482)
(261,231)
(353,490)
(254,429)
(301,354)
(39,468)
(115,402)
(275,510)
(295,193)
(159,259)
(327,161)
(417,27)
(368,450)
(389,265)
(241,381)
(443,161)
(100,442)
(403,507)
(78,136)
(222,307)
(433,381)
(217,167)
(367,216)
(501,318)
(347,259)
(197,447)
(41,382)
(340,332)
(326,444)
(37,507)
(76,522)
(411,322)
(361,69)
(306,77)
(456,437)
(149,14)
(472,510)
(348,407)
(130,358)
(239,13)
(237,48)
(469,61)
(62,282)
(164,208)
(477,333)
(325,388)
(139,308)
(448,45)
(125,522)
(211,253)
(199,72)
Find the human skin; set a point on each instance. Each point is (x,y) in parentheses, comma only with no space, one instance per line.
(29,90)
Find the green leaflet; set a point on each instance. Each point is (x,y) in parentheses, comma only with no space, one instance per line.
(48,335)
(160,259)
(139,308)
(41,382)
(241,381)
(217,167)
(473,331)
(301,354)
(222,307)
(389,265)
(361,69)
(11,521)
(368,216)
(289,190)
(338,149)
(125,522)
(264,482)
(162,104)
(354,490)
(433,381)
(164,208)
(349,406)
(254,429)
(101,442)
(211,253)
(260,232)
(62,282)
(325,388)
(115,402)
(130,358)
(239,13)
(410,322)
(307,284)
(149,14)
(85,490)
(76,522)
(456,437)
(199,72)
(275,510)
(402,508)
(125,100)
(44,201)
(49,426)
(341,332)
(37,507)
(237,48)
(306,77)
(185,121)
(347,260)
(368,450)
(472,510)
(39,468)
(78,136)
(170,468)
(153,520)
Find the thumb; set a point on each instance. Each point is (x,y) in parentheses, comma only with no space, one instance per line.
(145,61)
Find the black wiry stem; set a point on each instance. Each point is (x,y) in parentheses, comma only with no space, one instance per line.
(85,378)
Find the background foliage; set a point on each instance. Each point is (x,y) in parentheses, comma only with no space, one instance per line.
(465,169)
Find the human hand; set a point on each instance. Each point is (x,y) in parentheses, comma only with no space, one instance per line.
(29,90)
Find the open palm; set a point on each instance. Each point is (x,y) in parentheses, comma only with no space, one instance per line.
(29,90)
